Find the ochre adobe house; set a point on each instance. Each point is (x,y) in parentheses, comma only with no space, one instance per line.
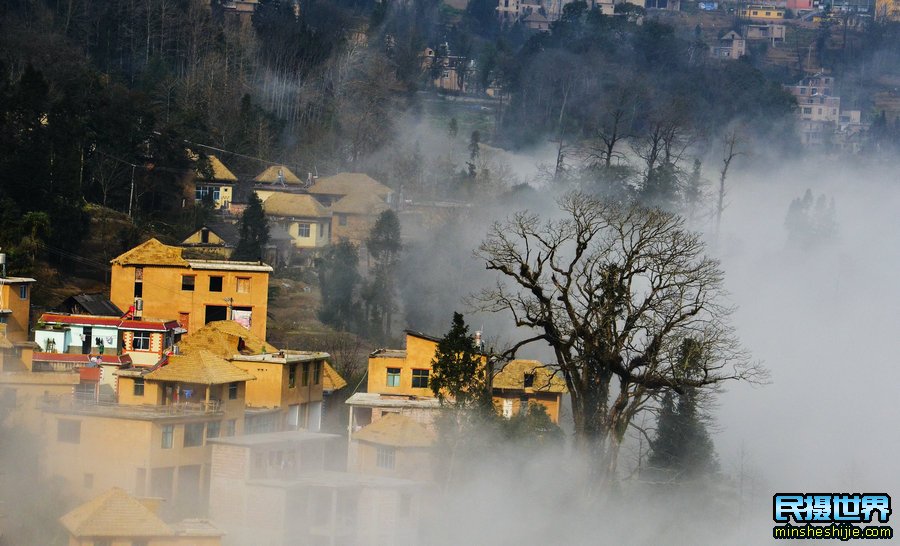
(219,187)
(398,382)
(305,219)
(356,200)
(15,312)
(394,446)
(288,391)
(115,518)
(277,178)
(159,279)
(153,441)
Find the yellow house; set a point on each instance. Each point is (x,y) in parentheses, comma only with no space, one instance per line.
(154,440)
(219,187)
(762,13)
(354,216)
(117,518)
(277,178)
(157,281)
(289,387)
(887,10)
(398,382)
(215,241)
(523,382)
(395,446)
(305,219)
(15,312)
(331,188)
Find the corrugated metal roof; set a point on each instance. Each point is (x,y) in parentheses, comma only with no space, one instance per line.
(156,325)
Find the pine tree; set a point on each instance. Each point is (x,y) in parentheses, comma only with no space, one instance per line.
(384,246)
(458,373)
(683,448)
(338,281)
(254,232)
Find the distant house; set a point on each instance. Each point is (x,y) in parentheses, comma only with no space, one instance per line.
(215,240)
(822,121)
(447,71)
(15,314)
(115,517)
(524,382)
(730,46)
(305,219)
(355,200)
(217,185)
(771,32)
(762,13)
(394,446)
(536,21)
(279,489)
(277,178)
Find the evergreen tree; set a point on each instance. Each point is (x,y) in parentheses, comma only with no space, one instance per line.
(254,232)
(338,280)
(384,246)
(682,447)
(458,372)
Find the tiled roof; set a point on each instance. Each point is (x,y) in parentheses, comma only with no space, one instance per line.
(151,252)
(360,203)
(222,338)
(220,172)
(114,514)
(333,380)
(294,204)
(349,183)
(116,322)
(201,367)
(396,430)
(513,377)
(270,176)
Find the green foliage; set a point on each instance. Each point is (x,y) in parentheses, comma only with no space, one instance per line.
(458,372)
(532,427)
(380,292)
(683,449)
(254,232)
(338,280)
(811,221)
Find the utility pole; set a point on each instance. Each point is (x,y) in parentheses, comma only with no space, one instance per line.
(131,196)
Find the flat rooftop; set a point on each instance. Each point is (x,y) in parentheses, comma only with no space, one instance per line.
(283,357)
(15,280)
(370,399)
(334,478)
(274,438)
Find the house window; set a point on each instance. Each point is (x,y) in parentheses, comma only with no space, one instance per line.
(393,377)
(68,431)
(305,374)
(243,285)
(212,429)
(23,291)
(385,458)
(141,341)
(168,434)
(187,283)
(342,219)
(204,235)
(292,376)
(303,230)
(230,426)
(139,386)
(138,289)
(215,284)
(529,380)
(193,434)
(420,379)
(807,110)
(317,374)
(232,391)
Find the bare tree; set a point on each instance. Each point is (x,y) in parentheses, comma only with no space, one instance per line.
(614,292)
(730,150)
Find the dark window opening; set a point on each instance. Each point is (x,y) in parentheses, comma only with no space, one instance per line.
(292,376)
(215,284)
(216,312)
(232,391)
(139,386)
(187,283)
(529,380)
(420,379)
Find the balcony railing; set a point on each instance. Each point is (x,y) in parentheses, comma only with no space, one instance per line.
(86,403)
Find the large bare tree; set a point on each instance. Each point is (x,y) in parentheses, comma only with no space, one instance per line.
(614,292)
